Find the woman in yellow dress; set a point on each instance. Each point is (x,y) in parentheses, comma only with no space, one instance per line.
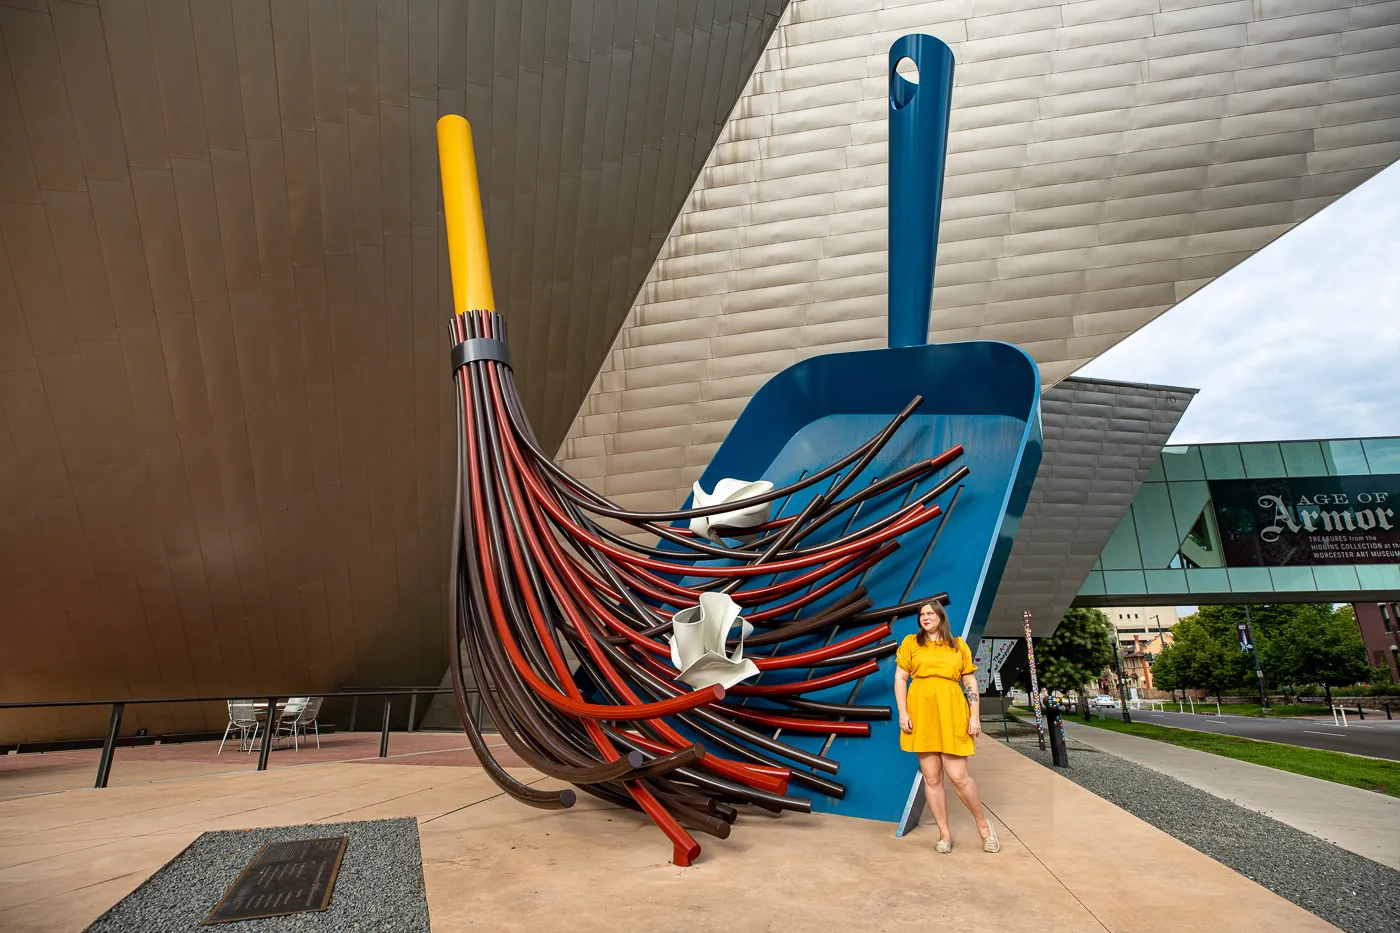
(938,717)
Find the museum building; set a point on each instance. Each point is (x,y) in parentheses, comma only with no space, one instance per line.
(228,457)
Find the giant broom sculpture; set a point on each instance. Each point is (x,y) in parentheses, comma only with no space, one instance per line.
(632,671)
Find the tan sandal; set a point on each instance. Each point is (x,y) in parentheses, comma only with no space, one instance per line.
(991,843)
(944,846)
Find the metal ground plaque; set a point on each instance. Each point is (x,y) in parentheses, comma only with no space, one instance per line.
(289,877)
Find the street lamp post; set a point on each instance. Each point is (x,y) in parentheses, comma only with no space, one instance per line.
(1118,667)
(1162,637)
(1254,649)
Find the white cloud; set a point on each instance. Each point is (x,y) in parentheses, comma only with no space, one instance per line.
(1302,340)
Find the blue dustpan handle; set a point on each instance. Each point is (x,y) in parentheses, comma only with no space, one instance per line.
(918,149)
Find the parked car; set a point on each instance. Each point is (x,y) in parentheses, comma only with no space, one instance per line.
(1104,700)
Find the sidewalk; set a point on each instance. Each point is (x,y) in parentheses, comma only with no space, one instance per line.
(1357,820)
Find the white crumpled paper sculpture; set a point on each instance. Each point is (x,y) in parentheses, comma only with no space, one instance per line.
(698,637)
(729,490)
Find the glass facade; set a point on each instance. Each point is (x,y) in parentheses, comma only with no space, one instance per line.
(1295,518)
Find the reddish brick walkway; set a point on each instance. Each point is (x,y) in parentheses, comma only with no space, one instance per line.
(416,748)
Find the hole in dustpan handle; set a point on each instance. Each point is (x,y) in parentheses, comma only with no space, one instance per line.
(918,145)
(904,83)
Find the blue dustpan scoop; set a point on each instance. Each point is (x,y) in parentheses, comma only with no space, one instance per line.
(984,395)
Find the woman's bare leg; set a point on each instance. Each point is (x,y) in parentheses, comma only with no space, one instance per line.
(931,764)
(966,789)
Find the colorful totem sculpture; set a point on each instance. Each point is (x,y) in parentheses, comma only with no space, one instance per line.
(721,667)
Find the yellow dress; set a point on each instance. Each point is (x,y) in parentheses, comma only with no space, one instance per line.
(937,707)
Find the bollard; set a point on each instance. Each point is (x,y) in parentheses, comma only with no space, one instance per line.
(384,729)
(269,733)
(1059,753)
(1360,713)
(1387,711)
(109,745)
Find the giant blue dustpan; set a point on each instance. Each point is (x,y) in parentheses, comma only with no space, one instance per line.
(984,395)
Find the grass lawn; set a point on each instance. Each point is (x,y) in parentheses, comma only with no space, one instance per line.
(1253,709)
(1207,708)
(1368,773)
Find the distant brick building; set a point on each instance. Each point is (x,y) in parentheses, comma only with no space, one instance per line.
(1142,633)
(1380,630)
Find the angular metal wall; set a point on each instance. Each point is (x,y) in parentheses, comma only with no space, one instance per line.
(225,418)
(1101,441)
(1107,158)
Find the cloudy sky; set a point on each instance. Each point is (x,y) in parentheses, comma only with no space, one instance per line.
(1300,341)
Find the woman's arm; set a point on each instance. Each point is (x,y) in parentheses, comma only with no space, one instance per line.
(974,705)
(901,687)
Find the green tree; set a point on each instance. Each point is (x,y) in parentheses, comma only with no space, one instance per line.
(1199,657)
(1082,646)
(1321,647)
(1378,676)
(1230,666)
(1269,622)
(1166,674)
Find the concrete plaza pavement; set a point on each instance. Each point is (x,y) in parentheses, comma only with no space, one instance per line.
(1376,738)
(1360,821)
(490,863)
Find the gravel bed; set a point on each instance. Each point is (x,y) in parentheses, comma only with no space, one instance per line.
(1348,891)
(379,888)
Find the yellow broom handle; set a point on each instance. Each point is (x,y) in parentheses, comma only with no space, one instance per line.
(466,228)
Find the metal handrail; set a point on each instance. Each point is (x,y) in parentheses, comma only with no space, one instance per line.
(391,691)
(109,742)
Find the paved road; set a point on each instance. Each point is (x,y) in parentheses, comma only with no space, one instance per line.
(1376,738)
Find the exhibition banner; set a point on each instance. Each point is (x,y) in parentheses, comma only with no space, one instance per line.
(1308,520)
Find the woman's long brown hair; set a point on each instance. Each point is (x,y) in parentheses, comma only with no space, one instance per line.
(943,632)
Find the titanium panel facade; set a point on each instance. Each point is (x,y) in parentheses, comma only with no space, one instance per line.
(226,443)
(1102,440)
(1107,158)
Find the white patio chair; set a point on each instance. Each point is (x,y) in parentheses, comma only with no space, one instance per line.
(243,716)
(307,717)
(287,718)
